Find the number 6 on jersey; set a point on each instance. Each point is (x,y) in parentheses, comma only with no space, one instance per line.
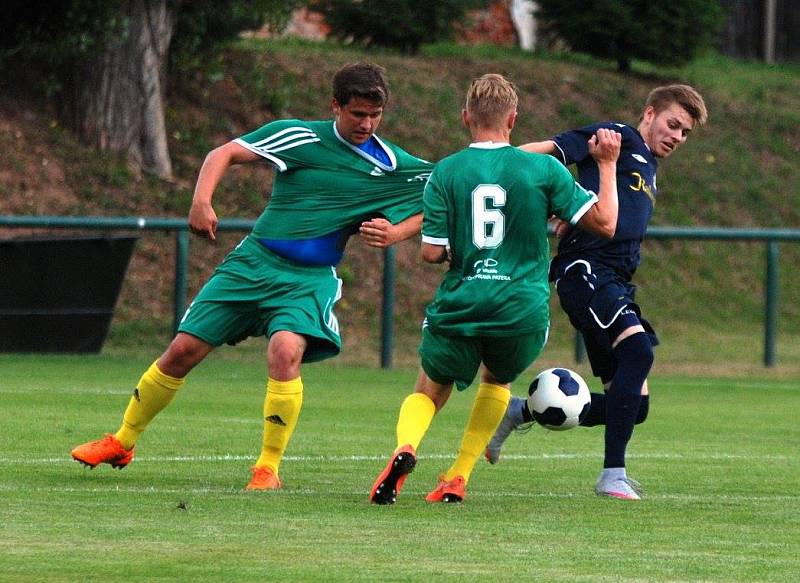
(488,224)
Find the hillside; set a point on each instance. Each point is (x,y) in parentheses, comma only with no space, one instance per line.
(740,170)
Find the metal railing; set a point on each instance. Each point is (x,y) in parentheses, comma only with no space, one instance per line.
(771,238)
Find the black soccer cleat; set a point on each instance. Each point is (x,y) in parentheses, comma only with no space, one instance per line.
(391,479)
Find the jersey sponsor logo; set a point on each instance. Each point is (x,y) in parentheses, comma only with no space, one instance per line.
(419,177)
(641,185)
(639,158)
(487,269)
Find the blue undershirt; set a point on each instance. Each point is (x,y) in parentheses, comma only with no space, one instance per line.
(374,149)
(327,249)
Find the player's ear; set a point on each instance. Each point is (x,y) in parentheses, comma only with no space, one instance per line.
(649,113)
(465,117)
(512,119)
(335,107)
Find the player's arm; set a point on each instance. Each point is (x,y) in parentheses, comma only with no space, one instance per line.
(434,253)
(202,218)
(601,218)
(545,147)
(558,226)
(381,233)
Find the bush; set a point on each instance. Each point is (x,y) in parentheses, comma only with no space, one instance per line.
(668,33)
(398,24)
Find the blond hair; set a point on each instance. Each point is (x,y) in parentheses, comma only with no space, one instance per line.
(687,97)
(490,98)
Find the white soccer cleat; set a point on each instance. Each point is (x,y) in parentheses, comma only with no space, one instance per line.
(623,488)
(511,420)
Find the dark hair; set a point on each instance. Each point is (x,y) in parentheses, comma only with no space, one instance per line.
(365,80)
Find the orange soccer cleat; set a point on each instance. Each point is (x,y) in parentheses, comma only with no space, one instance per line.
(391,479)
(454,490)
(103,451)
(263,479)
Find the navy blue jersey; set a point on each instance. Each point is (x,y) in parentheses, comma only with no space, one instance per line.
(636,189)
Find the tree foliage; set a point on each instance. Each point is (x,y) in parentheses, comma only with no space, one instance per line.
(45,39)
(669,33)
(398,24)
(201,26)
(104,64)
(42,40)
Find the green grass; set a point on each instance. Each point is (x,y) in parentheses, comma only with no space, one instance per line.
(718,459)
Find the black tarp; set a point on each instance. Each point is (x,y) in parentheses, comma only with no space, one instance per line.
(58,294)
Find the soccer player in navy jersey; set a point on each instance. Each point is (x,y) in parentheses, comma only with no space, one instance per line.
(593,276)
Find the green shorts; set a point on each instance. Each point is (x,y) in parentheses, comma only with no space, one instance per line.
(448,359)
(255,292)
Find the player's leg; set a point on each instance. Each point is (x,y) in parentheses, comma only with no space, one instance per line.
(296,314)
(604,365)
(282,405)
(488,409)
(416,414)
(516,418)
(597,413)
(504,360)
(633,353)
(159,384)
(444,360)
(154,391)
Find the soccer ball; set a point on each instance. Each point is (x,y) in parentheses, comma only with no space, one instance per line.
(558,399)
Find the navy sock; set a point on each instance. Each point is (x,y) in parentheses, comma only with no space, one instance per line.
(597,413)
(634,357)
(644,408)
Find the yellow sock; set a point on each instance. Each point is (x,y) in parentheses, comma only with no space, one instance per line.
(487,412)
(154,392)
(281,412)
(415,417)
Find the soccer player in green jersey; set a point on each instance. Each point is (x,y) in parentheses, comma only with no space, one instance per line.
(334,179)
(486,210)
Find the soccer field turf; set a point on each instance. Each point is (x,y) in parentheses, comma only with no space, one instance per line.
(718,461)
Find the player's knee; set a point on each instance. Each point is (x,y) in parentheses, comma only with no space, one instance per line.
(284,354)
(634,356)
(182,355)
(636,348)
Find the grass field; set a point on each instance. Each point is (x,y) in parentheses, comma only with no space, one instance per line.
(718,459)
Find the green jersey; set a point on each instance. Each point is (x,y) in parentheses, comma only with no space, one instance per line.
(325,184)
(490,204)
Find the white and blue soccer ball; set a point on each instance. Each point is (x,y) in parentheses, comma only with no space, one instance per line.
(558,399)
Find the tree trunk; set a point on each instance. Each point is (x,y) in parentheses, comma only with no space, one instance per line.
(118,103)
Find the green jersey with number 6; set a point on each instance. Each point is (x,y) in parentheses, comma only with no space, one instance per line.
(490,204)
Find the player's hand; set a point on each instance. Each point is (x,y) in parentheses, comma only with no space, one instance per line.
(378,233)
(604,146)
(203,221)
(559,227)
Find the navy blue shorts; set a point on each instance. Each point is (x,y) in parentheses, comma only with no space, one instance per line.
(600,304)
